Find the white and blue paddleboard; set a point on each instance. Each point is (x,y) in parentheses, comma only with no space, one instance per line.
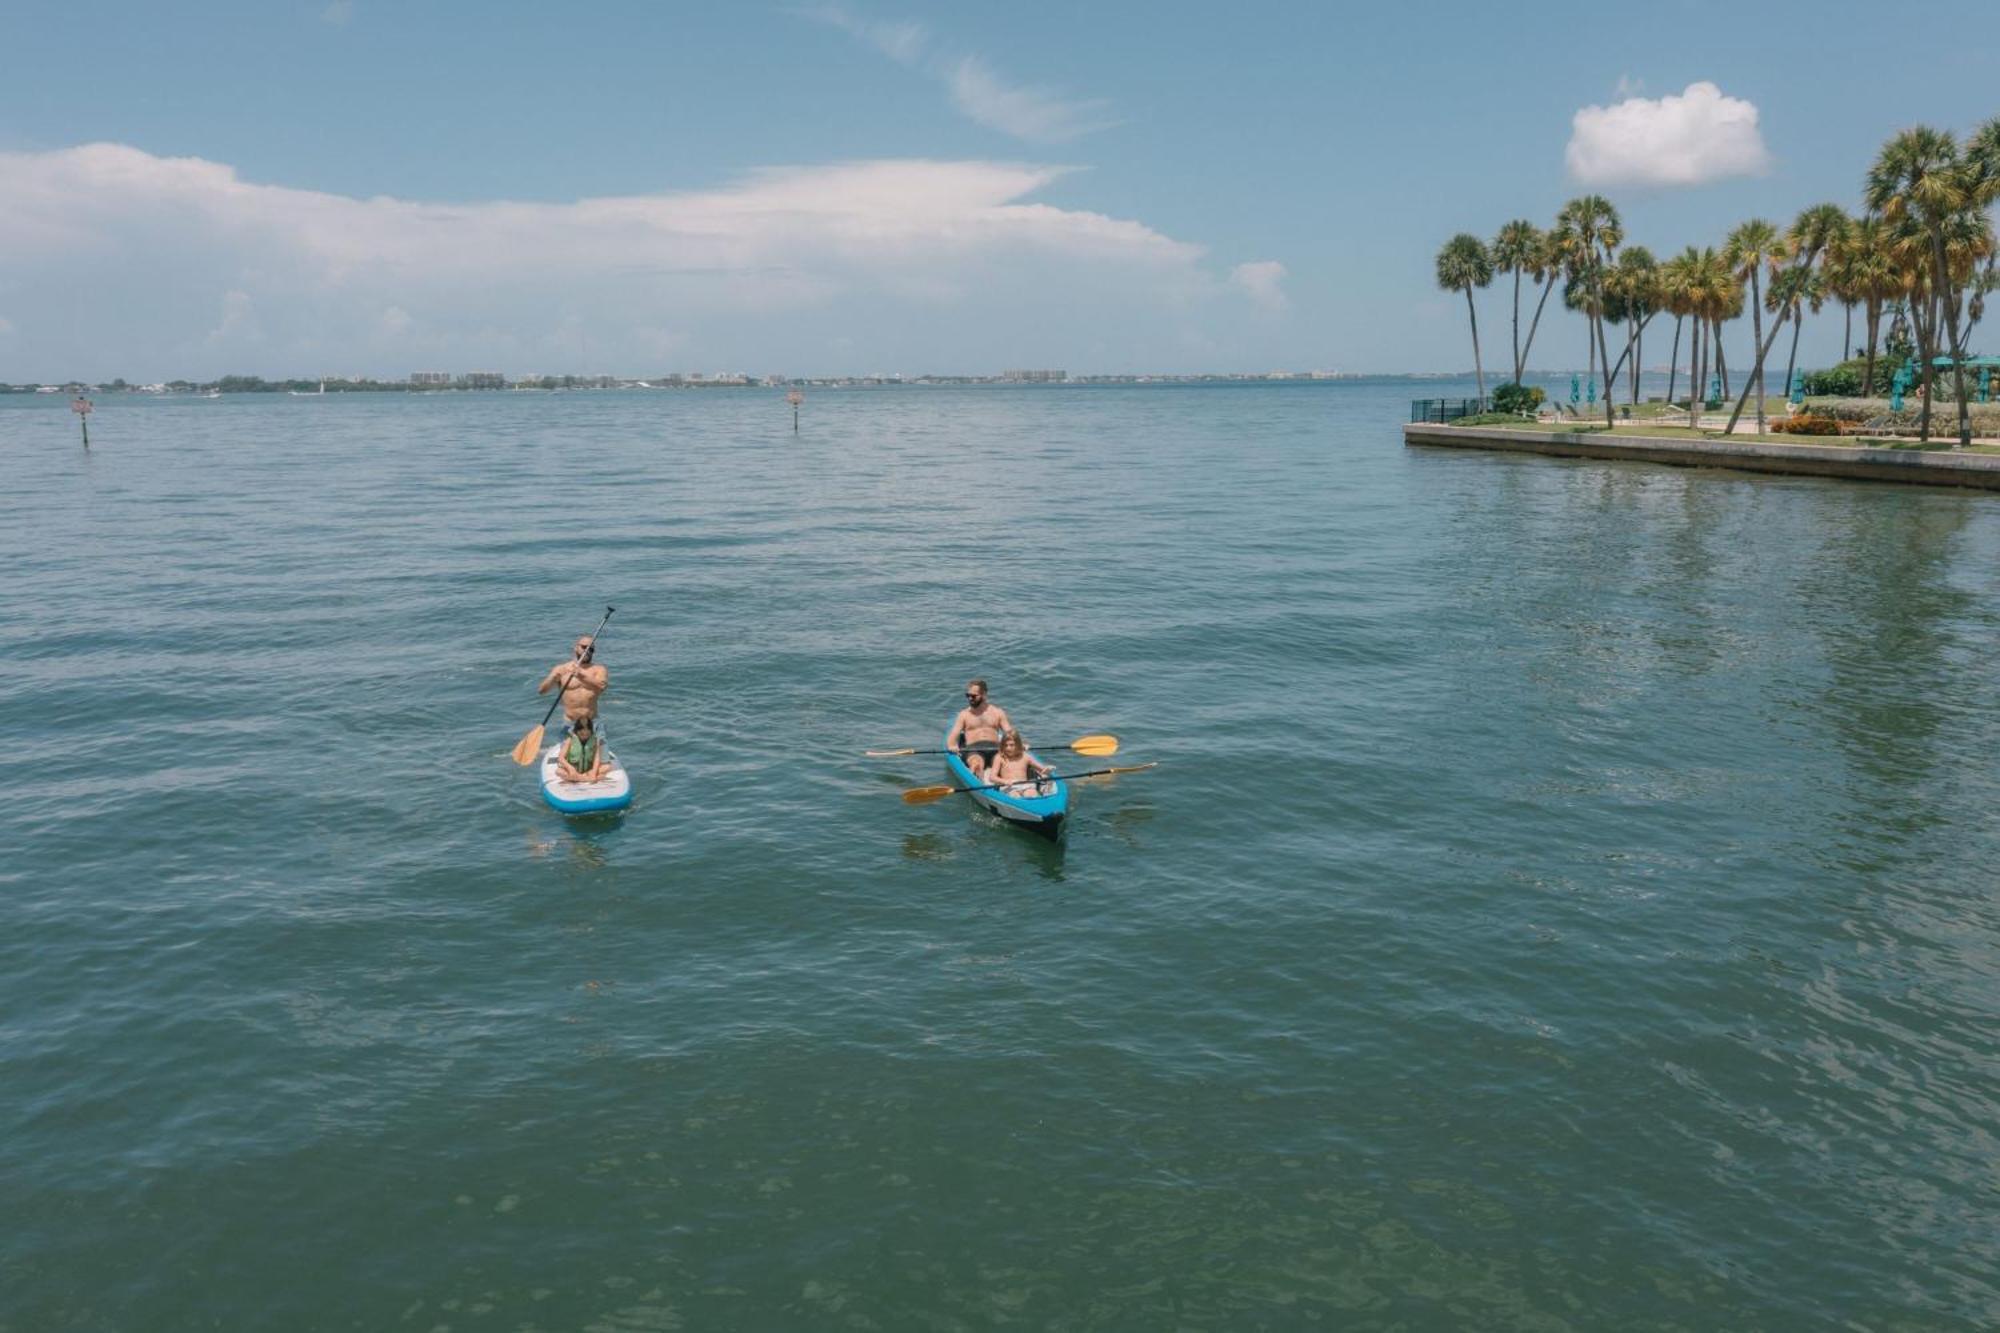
(611,792)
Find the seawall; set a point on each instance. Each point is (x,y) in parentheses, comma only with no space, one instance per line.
(1938,468)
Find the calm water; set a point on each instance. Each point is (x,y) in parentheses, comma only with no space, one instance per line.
(1566,899)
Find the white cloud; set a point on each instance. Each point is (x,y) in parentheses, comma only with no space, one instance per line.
(338,13)
(901,42)
(1689,138)
(1034,114)
(1037,115)
(934,252)
(1261,280)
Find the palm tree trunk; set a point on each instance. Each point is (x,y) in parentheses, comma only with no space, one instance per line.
(1517,326)
(1721,361)
(1847,337)
(1604,354)
(1874,329)
(1756,377)
(1924,345)
(1757,341)
(1957,353)
(1478,371)
(1674,361)
(1529,350)
(1638,357)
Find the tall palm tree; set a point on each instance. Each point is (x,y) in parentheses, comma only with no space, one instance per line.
(1591,234)
(1635,289)
(1810,233)
(1676,293)
(1919,174)
(1462,265)
(1870,273)
(1791,289)
(1545,268)
(1749,250)
(1517,249)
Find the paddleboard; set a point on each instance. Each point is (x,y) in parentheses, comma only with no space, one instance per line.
(611,792)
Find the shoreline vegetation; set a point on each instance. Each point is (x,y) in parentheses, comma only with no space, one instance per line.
(1921,254)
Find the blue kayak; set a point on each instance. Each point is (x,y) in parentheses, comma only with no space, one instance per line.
(611,792)
(1040,807)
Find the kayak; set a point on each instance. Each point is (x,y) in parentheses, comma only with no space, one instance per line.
(611,792)
(1040,808)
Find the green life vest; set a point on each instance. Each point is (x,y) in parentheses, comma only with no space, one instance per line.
(580,754)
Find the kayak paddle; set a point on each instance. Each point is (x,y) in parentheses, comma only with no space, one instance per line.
(530,745)
(1094,746)
(925,795)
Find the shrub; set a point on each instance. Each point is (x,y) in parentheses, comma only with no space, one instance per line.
(1806,424)
(1846,409)
(1520,398)
(1846,379)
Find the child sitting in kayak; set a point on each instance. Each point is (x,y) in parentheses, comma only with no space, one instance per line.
(1013,767)
(582,757)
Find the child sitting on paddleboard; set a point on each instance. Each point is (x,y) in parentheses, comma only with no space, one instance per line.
(582,757)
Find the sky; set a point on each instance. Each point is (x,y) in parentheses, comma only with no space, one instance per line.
(336,187)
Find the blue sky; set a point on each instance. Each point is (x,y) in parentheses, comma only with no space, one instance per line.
(357,186)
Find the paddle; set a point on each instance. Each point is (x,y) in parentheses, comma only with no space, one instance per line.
(925,795)
(530,745)
(1095,746)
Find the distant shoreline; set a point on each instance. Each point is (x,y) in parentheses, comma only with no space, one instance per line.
(312,388)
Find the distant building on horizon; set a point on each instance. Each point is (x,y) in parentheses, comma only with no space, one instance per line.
(430,379)
(485,379)
(1034,376)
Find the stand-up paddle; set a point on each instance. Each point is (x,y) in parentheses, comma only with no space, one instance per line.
(1097,747)
(530,745)
(925,795)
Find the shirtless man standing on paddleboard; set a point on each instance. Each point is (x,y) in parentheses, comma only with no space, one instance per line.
(581,681)
(976,731)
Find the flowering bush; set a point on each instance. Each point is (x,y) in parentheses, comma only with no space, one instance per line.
(1806,424)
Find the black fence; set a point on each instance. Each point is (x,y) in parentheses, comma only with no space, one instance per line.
(1447,409)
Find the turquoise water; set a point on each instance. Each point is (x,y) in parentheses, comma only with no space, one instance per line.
(1565,901)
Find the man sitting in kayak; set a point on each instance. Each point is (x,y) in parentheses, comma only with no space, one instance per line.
(582,757)
(976,731)
(1012,766)
(580,679)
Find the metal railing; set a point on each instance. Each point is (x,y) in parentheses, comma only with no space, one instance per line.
(1441,410)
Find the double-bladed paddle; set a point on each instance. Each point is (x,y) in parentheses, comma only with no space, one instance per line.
(530,745)
(1097,747)
(925,795)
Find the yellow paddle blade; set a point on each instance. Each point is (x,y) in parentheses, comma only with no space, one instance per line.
(1095,745)
(528,747)
(1129,768)
(885,754)
(925,795)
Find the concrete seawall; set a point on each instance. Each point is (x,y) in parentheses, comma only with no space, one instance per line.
(1981,471)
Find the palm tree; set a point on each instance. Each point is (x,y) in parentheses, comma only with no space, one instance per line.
(1591,235)
(1676,293)
(1791,289)
(1545,268)
(1517,249)
(1462,265)
(1750,248)
(1920,175)
(1869,271)
(1810,233)
(1635,289)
